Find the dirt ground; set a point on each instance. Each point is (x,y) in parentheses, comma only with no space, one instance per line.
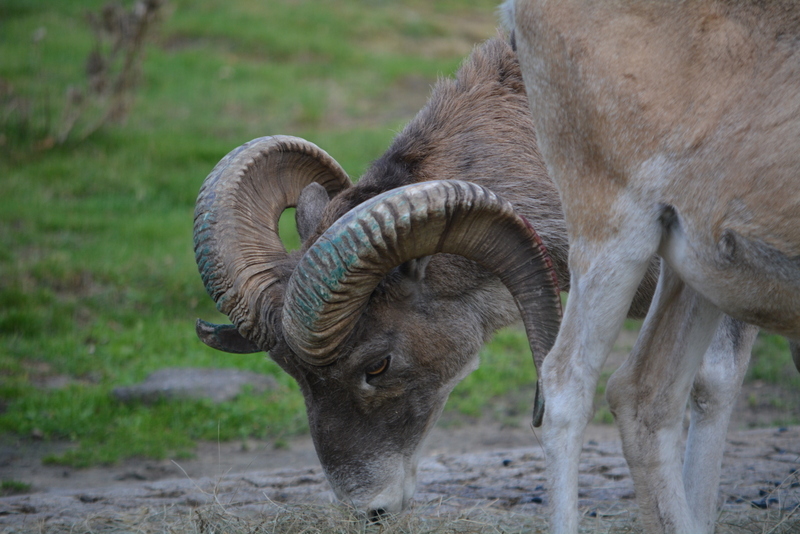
(21,460)
(482,467)
(468,464)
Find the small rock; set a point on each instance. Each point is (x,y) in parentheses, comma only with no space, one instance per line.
(196,499)
(130,476)
(27,509)
(764,503)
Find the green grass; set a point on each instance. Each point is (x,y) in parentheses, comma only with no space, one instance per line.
(98,285)
(13,487)
(504,384)
(772,362)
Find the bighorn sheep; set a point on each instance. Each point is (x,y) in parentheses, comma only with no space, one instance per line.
(669,128)
(375,327)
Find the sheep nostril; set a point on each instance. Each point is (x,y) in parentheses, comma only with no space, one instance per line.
(376,515)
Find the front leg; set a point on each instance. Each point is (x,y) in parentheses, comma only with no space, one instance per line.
(604,280)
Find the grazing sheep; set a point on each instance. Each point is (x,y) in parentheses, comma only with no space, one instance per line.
(402,277)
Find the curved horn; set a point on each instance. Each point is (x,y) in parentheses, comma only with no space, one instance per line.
(236,243)
(331,285)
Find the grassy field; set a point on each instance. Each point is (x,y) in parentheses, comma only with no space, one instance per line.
(98,286)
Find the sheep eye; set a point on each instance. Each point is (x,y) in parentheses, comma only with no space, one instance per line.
(377,368)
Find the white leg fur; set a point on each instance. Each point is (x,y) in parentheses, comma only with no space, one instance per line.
(648,396)
(602,286)
(712,399)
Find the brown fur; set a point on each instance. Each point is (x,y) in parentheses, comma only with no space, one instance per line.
(432,317)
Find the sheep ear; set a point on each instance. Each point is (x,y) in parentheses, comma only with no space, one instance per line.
(415,269)
(310,206)
(224,337)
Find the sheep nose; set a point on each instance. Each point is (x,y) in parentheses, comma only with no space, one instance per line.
(376,515)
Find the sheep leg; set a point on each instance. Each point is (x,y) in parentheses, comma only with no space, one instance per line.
(712,399)
(648,396)
(604,279)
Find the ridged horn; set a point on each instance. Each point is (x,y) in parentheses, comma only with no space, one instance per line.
(332,284)
(236,242)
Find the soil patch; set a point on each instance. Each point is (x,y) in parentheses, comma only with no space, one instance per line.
(466,465)
(760,472)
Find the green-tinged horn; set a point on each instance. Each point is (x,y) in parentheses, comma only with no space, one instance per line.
(330,287)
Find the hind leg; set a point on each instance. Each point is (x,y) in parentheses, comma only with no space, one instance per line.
(648,396)
(712,399)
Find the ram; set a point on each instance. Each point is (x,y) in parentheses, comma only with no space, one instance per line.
(669,128)
(401,278)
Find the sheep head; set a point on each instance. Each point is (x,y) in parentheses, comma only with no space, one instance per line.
(375,344)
